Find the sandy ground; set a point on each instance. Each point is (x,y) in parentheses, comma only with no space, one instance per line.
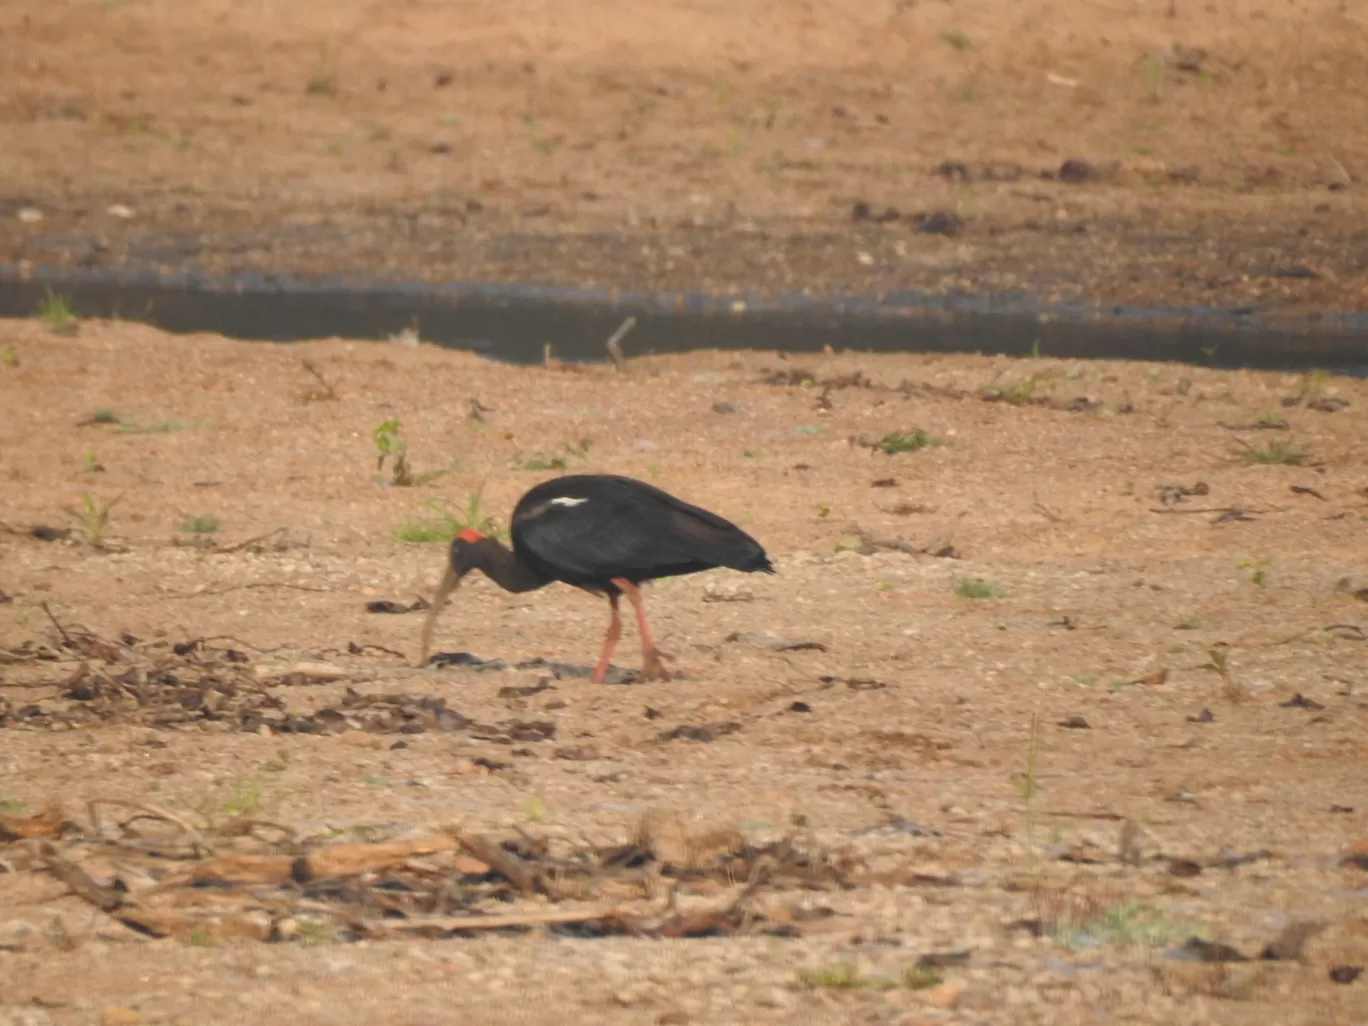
(1064,751)
(1172,154)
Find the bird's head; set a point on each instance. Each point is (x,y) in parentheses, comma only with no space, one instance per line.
(467,550)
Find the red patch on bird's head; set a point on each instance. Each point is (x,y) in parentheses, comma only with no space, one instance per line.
(470,535)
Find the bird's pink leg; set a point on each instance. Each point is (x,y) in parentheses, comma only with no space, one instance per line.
(652,668)
(610,641)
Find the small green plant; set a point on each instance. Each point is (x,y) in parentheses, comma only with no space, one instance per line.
(9,357)
(535,811)
(201,525)
(956,40)
(1278,452)
(921,977)
(1219,663)
(90,463)
(390,444)
(543,461)
(976,588)
(1258,569)
(540,143)
(824,509)
(1154,78)
(246,797)
(104,417)
(314,932)
(1017,393)
(11,805)
(904,441)
(55,312)
(750,454)
(156,427)
(450,521)
(92,519)
(1128,923)
(845,976)
(323,82)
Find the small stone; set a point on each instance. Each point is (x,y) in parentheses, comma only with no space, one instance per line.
(29,215)
(946,995)
(359,739)
(119,210)
(117,1015)
(464,767)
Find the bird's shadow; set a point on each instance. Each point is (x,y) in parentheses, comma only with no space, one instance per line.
(558,670)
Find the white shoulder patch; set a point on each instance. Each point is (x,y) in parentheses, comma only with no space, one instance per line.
(565,500)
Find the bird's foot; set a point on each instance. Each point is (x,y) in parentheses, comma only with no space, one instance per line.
(653,668)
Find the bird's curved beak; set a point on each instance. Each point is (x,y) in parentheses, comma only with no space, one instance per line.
(451,580)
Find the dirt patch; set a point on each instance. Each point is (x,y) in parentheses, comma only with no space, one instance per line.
(1054,707)
(1171,155)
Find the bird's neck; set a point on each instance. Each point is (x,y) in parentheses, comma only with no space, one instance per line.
(502,566)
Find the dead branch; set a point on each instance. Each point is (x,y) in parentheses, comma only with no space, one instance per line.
(614,344)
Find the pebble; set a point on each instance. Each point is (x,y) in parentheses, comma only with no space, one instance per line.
(29,215)
(117,1015)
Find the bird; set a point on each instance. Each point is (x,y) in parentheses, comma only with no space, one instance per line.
(604,534)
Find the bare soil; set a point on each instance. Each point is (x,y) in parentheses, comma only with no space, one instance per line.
(1213,150)
(1149,726)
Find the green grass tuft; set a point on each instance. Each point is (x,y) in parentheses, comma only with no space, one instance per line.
(976,588)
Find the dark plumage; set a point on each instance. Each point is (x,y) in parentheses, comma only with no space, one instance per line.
(606,535)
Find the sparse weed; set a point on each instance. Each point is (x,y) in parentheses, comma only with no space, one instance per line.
(9,357)
(104,417)
(535,811)
(156,427)
(54,310)
(201,525)
(1219,663)
(11,805)
(824,509)
(451,521)
(1017,393)
(976,588)
(1258,568)
(390,443)
(904,441)
(90,463)
(92,519)
(845,976)
(921,977)
(543,461)
(540,143)
(956,40)
(1128,923)
(246,797)
(314,932)
(323,82)
(1278,452)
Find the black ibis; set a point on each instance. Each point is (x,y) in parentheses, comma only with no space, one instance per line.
(603,534)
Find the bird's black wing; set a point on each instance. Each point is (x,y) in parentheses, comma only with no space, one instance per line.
(588,528)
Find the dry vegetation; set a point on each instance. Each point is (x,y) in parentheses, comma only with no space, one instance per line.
(1053,713)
